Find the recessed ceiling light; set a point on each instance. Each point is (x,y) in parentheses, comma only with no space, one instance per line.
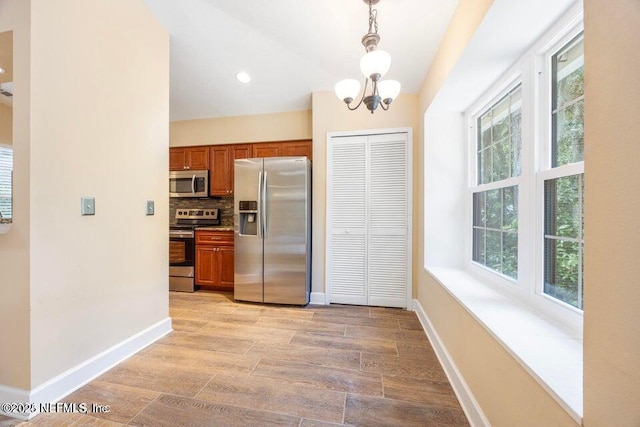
(243,77)
(2,70)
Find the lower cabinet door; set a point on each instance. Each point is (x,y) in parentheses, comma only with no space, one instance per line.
(226,266)
(214,267)
(207,270)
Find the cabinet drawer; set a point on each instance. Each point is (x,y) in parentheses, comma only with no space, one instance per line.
(214,237)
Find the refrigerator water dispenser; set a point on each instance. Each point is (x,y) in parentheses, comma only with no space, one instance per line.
(248,218)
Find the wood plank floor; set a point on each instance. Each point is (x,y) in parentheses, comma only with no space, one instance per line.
(239,364)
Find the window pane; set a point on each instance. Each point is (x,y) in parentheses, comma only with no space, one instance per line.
(479,211)
(500,139)
(494,250)
(565,214)
(568,104)
(510,209)
(6,167)
(479,245)
(564,244)
(570,134)
(562,275)
(502,160)
(500,128)
(510,254)
(485,166)
(494,209)
(485,137)
(495,229)
(516,131)
(569,74)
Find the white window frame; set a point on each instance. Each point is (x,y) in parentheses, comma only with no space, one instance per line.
(509,283)
(544,166)
(533,72)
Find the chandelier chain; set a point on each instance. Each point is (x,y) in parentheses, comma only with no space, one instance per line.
(373,20)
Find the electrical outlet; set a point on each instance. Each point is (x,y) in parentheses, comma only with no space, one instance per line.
(150,207)
(88,206)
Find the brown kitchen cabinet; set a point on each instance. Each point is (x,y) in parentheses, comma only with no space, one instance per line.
(214,260)
(297,149)
(238,151)
(188,158)
(221,164)
(284,148)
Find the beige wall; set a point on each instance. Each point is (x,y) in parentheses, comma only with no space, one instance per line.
(15,245)
(6,124)
(290,125)
(96,280)
(612,230)
(507,394)
(331,115)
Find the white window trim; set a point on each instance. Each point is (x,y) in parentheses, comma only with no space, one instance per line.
(500,89)
(532,72)
(556,307)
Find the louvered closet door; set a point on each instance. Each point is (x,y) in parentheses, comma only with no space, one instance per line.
(346,182)
(388,220)
(368,256)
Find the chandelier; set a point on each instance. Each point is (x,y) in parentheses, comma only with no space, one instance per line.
(374,65)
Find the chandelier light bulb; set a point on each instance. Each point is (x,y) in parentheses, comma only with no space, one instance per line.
(388,90)
(347,90)
(375,64)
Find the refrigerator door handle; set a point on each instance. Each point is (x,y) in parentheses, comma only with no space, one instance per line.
(259,214)
(265,225)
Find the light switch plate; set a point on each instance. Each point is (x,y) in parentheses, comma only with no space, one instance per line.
(150,207)
(88,206)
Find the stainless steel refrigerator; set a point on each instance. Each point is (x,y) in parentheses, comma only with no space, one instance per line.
(272,225)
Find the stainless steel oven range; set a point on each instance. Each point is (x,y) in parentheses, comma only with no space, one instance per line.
(182,245)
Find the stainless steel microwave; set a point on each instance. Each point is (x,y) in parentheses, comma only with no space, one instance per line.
(189,183)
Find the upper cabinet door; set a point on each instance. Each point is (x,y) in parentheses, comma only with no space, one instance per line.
(238,151)
(297,149)
(267,149)
(219,170)
(189,158)
(177,159)
(198,158)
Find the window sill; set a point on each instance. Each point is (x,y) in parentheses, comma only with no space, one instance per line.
(4,227)
(548,352)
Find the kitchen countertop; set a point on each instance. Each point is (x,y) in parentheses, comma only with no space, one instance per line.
(215,228)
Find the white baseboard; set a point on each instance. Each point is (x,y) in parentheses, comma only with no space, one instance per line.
(14,395)
(468,402)
(318,298)
(66,383)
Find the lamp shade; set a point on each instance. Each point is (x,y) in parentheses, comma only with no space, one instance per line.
(375,62)
(389,89)
(347,90)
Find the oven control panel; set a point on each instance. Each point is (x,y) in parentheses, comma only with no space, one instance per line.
(197,213)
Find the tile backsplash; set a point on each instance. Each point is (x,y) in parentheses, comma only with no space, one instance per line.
(225,204)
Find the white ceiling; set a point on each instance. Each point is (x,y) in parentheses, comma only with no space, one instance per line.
(289,47)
